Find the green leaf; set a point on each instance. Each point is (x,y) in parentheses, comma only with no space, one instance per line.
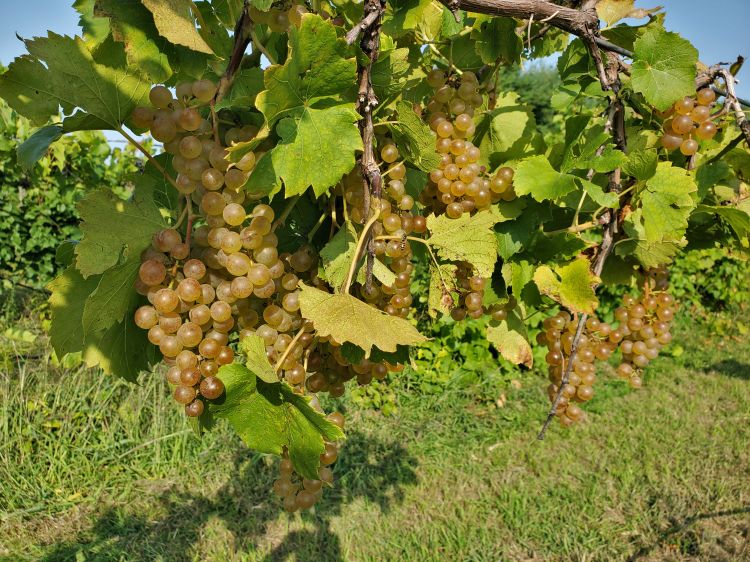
(318,71)
(393,73)
(269,417)
(414,138)
(113,298)
(347,319)
(247,84)
(667,203)
(599,196)
(311,97)
(36,146)
(68,294)
(442,286)
(409,16)
(311,138)
(337,255)
(641,164)
(496,39)
(517,274)
(122,350)
(467,238)
(536,177)
(510,339)
(60,71)
(133,26)
(648,253)
(256,359)
(228,11)
(737,219)
(507,132)
(663,68)
(175,21)
(113,228)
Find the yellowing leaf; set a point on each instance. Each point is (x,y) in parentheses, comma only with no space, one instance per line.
(467,238)
(612,11)
(510,339)
(572,285)
(174,20)
(347,319)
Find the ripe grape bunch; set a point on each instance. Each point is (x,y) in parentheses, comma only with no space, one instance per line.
(646,322)
(598,341)
(225,279)
(460,184)
(689,121)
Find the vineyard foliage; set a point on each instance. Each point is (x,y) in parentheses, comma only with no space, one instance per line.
(312,154)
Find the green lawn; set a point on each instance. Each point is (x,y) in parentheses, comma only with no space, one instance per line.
(94,469)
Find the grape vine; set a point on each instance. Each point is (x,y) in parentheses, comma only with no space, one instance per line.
(276,247)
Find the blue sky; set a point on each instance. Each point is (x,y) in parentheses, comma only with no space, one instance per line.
(718,28)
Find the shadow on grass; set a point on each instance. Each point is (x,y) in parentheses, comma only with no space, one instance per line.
(731,368)
(671,533)
(369,469)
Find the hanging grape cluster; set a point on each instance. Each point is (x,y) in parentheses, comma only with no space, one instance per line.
(597,342)
(689,121)
(647,321)
(460,184)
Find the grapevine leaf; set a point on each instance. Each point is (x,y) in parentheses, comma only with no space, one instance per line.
(347,319)
(247,84)
(60,71)
(517,274)
(392,73)
(667,203)
(122,350)
(572,285)
(228,11)
(381,272)
(36,146)
(316,135)
(496,39)
(318,69)
(612,11)
(507,132)
(133,26)
(467,238)
(641,164)
(262,5)
(663,68)
(577,286)
(535,176)
(174,20)
(649,253)
(337,255)
(442,286)
(95,29)
(112,227)
(113,298)
(421,16)
(510,339)
(69,292)
(256,359)
(599,196)
(414,138)
(269,417)
(736,218)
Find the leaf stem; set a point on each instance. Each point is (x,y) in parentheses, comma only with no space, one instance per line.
(357,251)
(261,47)
(288,349)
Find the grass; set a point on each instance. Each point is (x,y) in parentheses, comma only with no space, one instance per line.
(94,469)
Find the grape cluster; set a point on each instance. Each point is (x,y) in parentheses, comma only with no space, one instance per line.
(646,321)
(598,341)
(689,121)
(460,184)
(302,493)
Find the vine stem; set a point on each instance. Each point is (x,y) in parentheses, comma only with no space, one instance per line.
(288,349)
(357,251)
(734,103)
(148,155)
